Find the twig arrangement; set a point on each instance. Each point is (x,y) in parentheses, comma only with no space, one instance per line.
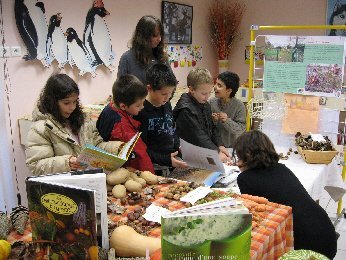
(224,20)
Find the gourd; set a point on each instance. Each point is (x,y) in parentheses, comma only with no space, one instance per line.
(128,243)
(135,177)
(132,186)
(118,176)
(5,249)
(119,191)
(149,177)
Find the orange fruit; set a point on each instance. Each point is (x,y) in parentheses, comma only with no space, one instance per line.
(93,252)
(5,249)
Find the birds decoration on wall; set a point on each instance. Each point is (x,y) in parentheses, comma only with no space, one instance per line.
(49,43)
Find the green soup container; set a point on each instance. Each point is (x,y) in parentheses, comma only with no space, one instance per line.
(171,251)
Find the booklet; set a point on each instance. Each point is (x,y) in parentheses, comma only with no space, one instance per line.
(216,230)
(203,158)
(94,157)
(69,212)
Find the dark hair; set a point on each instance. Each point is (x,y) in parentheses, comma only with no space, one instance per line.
(160,75)
(338,9)
(128,89)
(58,87)
(141,40)
(255,150)
(231,80)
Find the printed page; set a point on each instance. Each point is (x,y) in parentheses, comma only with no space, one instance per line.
(127,149)
(200,157)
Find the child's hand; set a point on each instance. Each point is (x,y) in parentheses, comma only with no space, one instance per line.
(74,165)
(215,116)
(224,150)
(223,117)
(224,158)
(176,161)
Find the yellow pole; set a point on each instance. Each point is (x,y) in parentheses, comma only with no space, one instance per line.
(252,65)
(343,178)
(293,27)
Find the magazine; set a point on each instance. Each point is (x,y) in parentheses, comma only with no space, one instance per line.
(216,230)
(69,212)
(203,158)
(94,157)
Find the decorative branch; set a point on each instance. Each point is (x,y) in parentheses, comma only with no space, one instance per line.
(224,20)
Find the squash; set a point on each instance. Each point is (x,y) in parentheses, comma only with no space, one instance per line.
(135,177)
(5,249)
(149,177)
(128,243)
(132,186)
(118,176)
(119,191)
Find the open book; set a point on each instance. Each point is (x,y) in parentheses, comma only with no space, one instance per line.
(94,157)
(203,158)
(219,229)
(69,211)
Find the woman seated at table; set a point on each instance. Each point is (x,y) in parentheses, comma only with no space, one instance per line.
(262,175)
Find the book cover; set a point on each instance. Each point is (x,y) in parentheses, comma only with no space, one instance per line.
(94,157)
(63,219)
(213,231)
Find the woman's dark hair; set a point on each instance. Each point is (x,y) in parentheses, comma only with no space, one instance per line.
(338,9)
(159,75)
(255,150)
(231,80)
(128,89)
(60,86)
(141,40)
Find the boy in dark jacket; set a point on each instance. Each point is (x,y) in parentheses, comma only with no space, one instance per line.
(116,123)
(193,116)
(157,126)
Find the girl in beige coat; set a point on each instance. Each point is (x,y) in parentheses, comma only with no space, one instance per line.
(60,129)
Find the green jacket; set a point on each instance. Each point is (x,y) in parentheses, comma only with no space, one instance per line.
(49,145)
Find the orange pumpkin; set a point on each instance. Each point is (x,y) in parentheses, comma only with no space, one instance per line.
(156,255)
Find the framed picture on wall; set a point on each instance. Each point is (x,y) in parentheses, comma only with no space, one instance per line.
(177,23)
(336,15)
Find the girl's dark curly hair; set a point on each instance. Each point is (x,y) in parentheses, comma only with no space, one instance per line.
(60,86)
(255,150)
(141,40)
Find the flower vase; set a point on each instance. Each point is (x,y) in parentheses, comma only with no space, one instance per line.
(223,65)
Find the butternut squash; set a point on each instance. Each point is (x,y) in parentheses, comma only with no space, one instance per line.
(118,176)
(128,243)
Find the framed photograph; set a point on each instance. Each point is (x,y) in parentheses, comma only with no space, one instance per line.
(177,23)
(336,15)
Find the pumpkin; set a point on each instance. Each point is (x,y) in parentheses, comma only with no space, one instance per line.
(5,249)
(156,255)
(128,243)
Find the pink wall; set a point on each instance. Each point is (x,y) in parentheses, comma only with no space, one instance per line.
(27,78)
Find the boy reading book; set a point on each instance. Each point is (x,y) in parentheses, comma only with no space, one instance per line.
(116,120)
(157,126)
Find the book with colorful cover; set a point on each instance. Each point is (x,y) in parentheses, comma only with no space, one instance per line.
(64,217)
(94,157)
(218,230)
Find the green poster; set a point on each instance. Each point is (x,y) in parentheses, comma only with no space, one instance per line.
(323,53)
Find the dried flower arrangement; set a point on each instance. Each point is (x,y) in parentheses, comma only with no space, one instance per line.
(224,20)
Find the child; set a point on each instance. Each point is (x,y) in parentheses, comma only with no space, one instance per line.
(60,129)
(228,112)
(116,123)
(193,117)
(158,131)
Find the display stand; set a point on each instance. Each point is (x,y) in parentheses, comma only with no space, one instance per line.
(253,29)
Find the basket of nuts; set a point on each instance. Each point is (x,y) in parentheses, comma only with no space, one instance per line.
(315,151)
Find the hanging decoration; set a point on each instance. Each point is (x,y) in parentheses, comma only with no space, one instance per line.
(184,55)
(49,43)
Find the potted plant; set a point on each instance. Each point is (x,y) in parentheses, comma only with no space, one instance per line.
(224,21)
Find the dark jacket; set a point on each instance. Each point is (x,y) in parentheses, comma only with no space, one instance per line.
(158,132)
(116,124)
(194,123)
(312,227)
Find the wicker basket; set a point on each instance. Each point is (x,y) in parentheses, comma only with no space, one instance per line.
(322,157)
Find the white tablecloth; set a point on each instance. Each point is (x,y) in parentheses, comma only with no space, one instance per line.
(316,177)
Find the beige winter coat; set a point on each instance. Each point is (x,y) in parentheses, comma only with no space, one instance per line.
(49,145)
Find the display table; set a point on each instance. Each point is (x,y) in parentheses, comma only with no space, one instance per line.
(271,238)
(316,177)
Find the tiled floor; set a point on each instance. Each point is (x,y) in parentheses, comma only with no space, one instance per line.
(331,206)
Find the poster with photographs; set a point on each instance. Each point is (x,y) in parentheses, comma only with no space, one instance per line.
(309,65)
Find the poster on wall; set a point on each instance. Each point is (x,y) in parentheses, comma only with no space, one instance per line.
(336,15)
(309,65)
